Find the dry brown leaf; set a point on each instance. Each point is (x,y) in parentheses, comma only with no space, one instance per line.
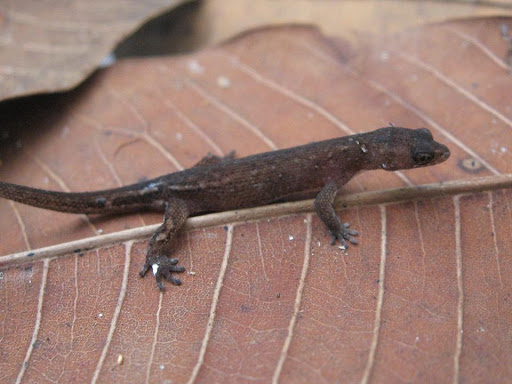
(425,297)
(53,45)
(350,19)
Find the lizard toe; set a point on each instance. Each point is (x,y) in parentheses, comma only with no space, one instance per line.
(342,240)
(334,237)
(343,235)
(172,279)
(159,283)
(164,266)
(144,269)
(347,230)
(167,266)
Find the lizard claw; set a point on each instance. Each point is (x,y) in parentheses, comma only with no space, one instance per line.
(344,234)
(162,266)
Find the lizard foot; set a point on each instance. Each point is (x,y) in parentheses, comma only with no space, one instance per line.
(162,266)
(343,234)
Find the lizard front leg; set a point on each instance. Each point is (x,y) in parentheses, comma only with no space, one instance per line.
(160,244)
(325,210)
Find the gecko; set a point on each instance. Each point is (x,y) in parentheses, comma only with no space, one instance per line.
(318,170)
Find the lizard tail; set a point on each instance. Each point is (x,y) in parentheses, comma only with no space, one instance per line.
(99,202)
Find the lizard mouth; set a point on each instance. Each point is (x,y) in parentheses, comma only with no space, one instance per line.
(442,154)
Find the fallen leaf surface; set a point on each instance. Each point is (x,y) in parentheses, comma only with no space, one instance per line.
(53,45)
(425,297)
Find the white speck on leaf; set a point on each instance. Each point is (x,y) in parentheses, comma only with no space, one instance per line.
(223,82)
(155,268)
(195,67)
(290,237)
(384,55)
(471,164)
(178,85)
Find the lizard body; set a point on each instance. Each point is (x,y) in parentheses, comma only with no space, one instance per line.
(216,184)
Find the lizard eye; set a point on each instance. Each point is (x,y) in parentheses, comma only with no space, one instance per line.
(423,157)
(425,132)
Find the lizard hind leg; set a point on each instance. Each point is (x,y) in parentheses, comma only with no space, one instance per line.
(160,244)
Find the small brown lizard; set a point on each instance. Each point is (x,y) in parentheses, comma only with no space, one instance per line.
(217,184)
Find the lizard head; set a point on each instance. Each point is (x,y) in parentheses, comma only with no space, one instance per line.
(394,148)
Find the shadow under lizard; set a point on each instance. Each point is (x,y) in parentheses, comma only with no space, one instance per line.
(218,184)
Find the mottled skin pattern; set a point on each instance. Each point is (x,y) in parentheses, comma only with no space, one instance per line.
(216,184)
